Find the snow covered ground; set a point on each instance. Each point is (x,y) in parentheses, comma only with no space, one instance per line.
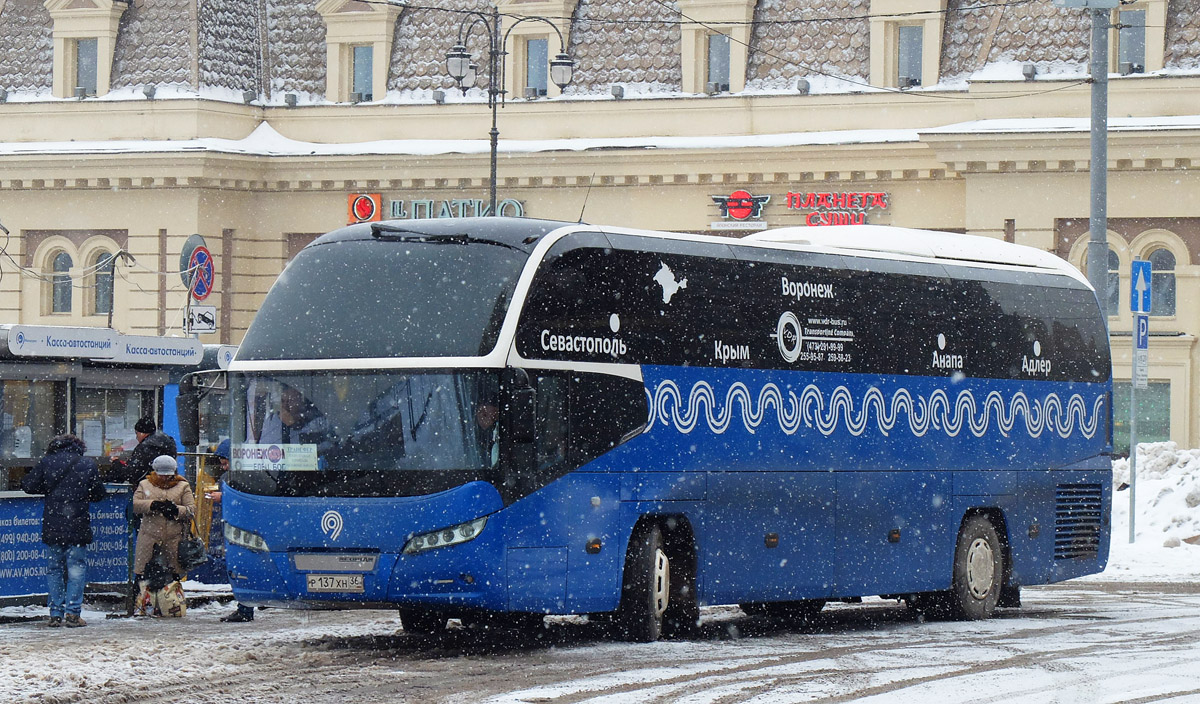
(1167,518)
(1057,647)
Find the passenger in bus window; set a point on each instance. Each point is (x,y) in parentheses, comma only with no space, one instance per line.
(487,429)
(487,432)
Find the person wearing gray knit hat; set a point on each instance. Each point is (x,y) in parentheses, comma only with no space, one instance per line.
(165,502)
(165,464)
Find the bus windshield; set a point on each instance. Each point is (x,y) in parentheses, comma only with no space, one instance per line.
(386,298)
(362,434)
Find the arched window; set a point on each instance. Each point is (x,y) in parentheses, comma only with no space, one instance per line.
(60,290)
(1162,282)
(1114,282)
(102,272)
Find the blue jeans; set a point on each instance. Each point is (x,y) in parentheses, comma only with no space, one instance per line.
(69,562)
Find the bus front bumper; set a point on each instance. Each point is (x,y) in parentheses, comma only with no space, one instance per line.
(469,576)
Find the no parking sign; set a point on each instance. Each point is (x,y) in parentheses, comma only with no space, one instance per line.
(203,273)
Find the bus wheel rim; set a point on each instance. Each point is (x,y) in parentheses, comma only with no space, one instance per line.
(661,586)
(981,568)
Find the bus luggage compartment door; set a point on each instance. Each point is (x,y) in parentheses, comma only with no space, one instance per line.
(895,532)
(768,536)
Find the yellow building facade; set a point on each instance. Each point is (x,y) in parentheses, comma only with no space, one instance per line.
(101,194)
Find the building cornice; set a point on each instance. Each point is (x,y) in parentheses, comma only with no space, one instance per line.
(1148,145)
(849,163)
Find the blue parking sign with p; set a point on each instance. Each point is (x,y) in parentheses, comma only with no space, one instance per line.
(1141,336)
(1139,286)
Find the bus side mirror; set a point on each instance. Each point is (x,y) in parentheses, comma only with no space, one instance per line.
(522,414)
(522,406)
(192,388)
(187,411)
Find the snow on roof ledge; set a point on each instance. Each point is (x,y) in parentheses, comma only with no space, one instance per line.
(1080,125)
(884,239)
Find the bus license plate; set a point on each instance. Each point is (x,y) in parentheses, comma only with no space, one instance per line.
(335,583)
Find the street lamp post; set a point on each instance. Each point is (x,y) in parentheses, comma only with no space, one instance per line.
(463,69)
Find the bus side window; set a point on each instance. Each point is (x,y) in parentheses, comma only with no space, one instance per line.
(604,410)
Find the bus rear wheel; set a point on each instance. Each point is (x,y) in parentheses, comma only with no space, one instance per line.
(645,588)
(422,622)
(978,571)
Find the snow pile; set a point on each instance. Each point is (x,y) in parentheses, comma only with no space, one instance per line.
(1167,519)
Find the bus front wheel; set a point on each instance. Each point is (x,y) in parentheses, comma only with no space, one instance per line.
(422,622)
(978,570)
(645,588)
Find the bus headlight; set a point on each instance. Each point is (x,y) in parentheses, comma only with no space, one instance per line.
(244,538)
(445,537)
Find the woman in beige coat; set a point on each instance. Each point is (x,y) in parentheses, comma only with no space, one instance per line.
(165,502)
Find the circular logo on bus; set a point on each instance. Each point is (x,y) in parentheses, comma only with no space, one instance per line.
(274,453)
(788,337)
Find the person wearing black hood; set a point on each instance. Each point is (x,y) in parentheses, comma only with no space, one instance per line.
(151,443)
(69,482)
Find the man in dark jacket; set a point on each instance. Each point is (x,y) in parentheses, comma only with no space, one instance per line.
(151,444)
(69,481)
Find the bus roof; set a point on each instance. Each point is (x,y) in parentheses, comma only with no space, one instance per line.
(859,240)
(885,239)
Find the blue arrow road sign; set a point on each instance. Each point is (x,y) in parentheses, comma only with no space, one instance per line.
(1139,288)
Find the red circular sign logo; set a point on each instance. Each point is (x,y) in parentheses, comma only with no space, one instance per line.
(363,208)
(741,205)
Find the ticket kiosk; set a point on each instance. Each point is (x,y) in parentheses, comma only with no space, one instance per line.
(95,383)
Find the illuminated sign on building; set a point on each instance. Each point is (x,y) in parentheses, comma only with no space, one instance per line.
(454,208)
(364,207)
(368,207)
(741,210)
(845,208)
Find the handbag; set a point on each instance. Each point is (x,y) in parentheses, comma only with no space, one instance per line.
(192,553)
(170,601)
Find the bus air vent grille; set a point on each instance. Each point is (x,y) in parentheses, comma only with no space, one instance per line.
(1077,516)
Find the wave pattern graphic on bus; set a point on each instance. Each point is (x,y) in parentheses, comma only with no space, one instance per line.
(812,409)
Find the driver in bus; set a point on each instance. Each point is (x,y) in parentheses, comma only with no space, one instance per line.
(294,420)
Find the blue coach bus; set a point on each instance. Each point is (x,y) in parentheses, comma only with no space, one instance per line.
(502,418)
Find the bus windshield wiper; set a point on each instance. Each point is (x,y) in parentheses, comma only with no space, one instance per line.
(399,233)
